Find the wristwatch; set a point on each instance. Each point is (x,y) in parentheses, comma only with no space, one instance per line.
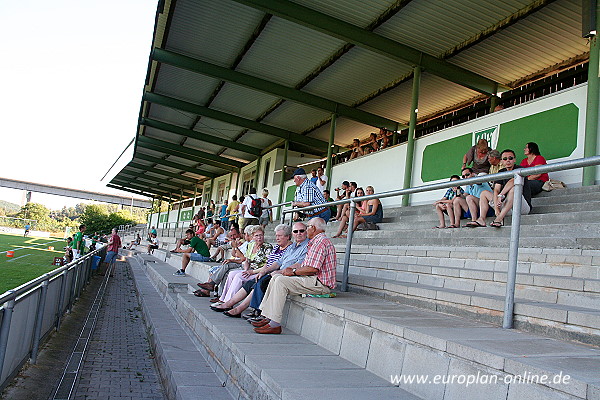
(294,271)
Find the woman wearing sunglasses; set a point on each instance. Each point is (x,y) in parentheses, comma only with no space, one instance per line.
(532,151)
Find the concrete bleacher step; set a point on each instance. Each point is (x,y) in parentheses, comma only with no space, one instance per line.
(286,366)
(350,346)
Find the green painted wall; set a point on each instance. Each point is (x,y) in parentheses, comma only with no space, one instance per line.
(290,193)
(443,159)
(163,217)
(555,132)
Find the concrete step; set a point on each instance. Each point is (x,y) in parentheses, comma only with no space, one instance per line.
(384,339)
(557,320)
(286,366)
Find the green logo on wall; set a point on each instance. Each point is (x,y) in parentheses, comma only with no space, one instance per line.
(186,215)
(163,218)
(489,134)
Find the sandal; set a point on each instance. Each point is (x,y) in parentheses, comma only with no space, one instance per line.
(201,293)
(474,224)
(451,226)
(439,227)
(497,224)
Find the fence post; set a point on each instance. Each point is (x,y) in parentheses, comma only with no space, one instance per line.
(63,284)
(348,246)
(513,252)
(38,322)
(5,330)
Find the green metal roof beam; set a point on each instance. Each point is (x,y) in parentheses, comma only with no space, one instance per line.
(263,85)
(379,44)
(162,172)
(152,179)
(124,183)
(234,120)
(207,158)
(175,165)
(199,136)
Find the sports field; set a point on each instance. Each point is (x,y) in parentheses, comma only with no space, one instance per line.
(31,259)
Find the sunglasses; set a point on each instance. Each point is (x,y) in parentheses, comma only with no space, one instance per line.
(299,230)
(508,158)
(466,176)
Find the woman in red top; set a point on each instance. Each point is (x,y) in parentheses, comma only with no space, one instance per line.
(532,151)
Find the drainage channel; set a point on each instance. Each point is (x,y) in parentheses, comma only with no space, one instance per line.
(71,372)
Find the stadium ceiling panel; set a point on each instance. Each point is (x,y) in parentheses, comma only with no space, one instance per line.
(230,79)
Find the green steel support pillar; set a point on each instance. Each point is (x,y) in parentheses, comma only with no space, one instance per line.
(282,177)
(410,147)
(329,150)
(257,181)
(194,201)
(168,211)
(591,116)
(237,183)
(494,100)
(179,208)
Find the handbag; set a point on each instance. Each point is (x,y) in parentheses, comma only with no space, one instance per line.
(552,184)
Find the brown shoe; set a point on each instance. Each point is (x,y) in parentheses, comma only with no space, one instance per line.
(210,286)
(269,330)
(216,299)
(262,322)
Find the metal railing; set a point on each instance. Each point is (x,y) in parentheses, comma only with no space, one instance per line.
(32,310)
(513,252)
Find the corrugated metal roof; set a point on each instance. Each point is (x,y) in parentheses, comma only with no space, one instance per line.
(199,23)
(299,50)
(434,26)
(243,102)
(540,41)
(171,116)
(184,84)
(295,117)
(358,66)
(356,12)
(217,128)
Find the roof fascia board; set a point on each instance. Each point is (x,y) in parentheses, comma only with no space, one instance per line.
(379,44)
(265,86)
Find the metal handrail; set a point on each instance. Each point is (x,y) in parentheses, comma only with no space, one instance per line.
(518,174)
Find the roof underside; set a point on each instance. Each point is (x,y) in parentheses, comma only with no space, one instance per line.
(229,80)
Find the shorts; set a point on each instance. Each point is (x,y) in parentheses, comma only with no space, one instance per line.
(375,219)
(220,243)
(111,257)
(264,221)
(199,257)
(153,246)
(226,246)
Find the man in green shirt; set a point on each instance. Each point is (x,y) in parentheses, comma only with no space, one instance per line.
(78,242)
(196,244)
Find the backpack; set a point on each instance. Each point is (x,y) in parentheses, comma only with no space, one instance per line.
(255,207)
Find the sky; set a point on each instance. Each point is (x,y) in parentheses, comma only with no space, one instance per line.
(71,77)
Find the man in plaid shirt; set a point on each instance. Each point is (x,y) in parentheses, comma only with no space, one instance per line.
(308,194)
(315,276)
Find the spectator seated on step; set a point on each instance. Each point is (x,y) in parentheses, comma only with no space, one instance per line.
(533,158)
(357,150)
(341,193)
(308,194)
(286,253)
(197,251)
(153,243)
(221,250)
(315,276)
(218,273)
(444,205)
(469,201)
(343,208)
(218,236)
(135,242)
(495,159)
(360,207)
(502,198)
(257,254)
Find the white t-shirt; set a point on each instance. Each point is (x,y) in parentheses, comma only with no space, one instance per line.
(247,204)
(324,186)
(265,211)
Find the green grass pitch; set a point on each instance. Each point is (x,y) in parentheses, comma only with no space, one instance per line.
(31,259)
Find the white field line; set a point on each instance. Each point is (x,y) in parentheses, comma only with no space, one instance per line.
(31,247)
(13,259)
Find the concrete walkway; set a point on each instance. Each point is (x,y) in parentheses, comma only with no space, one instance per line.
(118,363)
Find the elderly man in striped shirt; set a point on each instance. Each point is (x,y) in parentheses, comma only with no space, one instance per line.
(315,276)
